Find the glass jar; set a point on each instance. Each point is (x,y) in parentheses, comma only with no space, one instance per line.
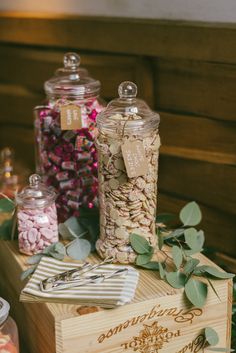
(36,216)
(65,131)
(128,148)
(8,330)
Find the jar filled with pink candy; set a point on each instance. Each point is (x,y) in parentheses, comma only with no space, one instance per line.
(36,217)
(65,130)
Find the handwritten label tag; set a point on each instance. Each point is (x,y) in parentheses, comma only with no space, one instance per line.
(134,157)
(70,117)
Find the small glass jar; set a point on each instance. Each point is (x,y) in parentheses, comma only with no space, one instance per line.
(65,131)
(8,330)
(36,216)
(128,148)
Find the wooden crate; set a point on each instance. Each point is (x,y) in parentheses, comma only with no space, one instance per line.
(158,320)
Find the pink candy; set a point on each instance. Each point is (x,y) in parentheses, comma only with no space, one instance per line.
(37,229)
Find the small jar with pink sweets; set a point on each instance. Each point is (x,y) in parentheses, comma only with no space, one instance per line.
(36,217)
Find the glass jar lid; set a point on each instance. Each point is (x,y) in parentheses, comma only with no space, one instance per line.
(36,194)
(72,80)
(128,111)
(4,310)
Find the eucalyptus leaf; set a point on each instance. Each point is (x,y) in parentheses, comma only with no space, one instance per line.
(214,272)
(196,292)
(74,227)
(176,279)
(65,232)
(78,249)
(57,255)
(165,217)
(190,265)
(153,265)
(6,205)
(177,256)
(195,240)
(60,248)
(175,233)
(143,259)
(27,272)
(162,270)
(140,244)
(190,215)
(211,336)
(34,259)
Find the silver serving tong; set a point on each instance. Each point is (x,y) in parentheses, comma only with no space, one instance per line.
(75,277)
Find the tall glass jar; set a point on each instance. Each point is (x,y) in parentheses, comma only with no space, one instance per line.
(36,217)
(8,330)
(65,131)
(128,149)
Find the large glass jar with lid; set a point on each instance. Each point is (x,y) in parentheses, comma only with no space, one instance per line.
(36,217)
(8,330)
(128,148)
(65,131)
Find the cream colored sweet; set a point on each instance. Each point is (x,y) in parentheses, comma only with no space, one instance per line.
(128,205)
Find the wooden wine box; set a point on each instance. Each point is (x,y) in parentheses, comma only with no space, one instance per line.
(159,319)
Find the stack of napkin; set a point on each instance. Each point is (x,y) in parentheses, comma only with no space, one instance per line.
(110,293)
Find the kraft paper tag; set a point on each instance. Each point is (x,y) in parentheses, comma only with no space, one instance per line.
(70,117)
(135,159)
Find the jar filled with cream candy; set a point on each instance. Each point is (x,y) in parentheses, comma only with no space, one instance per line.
(128,148)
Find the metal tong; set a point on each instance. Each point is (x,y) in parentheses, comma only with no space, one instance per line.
(77,277)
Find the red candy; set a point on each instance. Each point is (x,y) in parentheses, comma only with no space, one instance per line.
(67,159)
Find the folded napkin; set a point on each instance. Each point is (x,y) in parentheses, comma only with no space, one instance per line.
(110,293)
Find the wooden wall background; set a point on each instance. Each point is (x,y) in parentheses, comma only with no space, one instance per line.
(186,71)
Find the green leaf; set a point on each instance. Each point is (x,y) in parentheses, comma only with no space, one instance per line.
(143,259)
(74,227)
(196,292)
(27,272)
(153,265)
(32,260)
(176,279)
(190,265)
(175,233)
(140,244)
(60,248)
(162,270)
(78,249)
(190,215)
(211,336)
(165,218)
(195,240)
(65,232)
(160,239)
(177,256)
(214,272)
(6,205)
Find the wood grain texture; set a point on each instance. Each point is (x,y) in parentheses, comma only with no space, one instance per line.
(48,326)
(176,39)
(196,87)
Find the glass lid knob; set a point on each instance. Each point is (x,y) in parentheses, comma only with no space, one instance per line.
(34,180)
(127,89)
(71,61)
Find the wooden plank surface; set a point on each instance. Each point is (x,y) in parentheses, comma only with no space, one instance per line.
(176,39)
(196,87)
(42,320)
(210,184)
